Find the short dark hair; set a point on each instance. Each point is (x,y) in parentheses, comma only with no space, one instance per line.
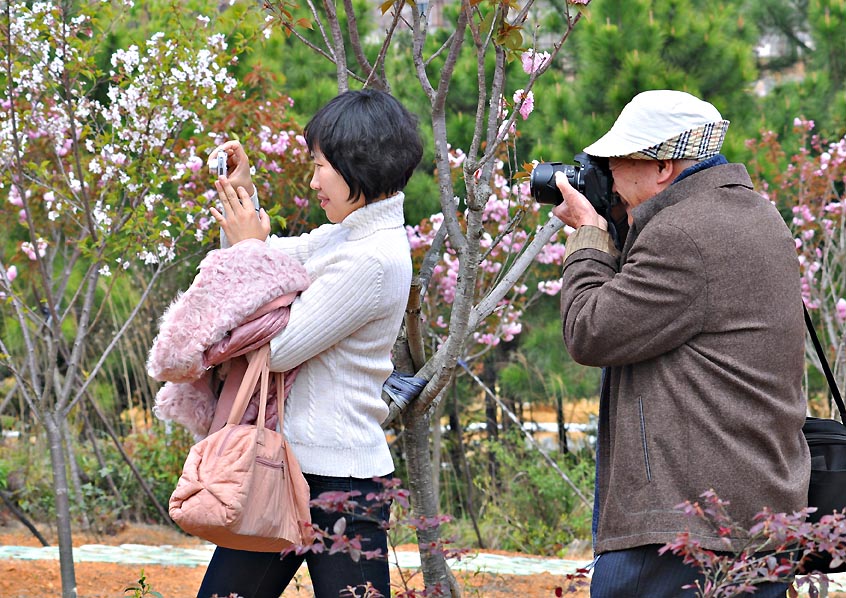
(370,139)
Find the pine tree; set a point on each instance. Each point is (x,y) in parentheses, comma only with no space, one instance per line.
(625,47)
(809,74)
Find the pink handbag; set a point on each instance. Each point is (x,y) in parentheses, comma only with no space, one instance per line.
(241,487)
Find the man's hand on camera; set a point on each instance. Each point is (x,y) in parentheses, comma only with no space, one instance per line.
(237,165)
(575,210)
(241,220)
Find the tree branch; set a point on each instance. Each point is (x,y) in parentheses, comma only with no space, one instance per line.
(489,303)
(118,335)
(337,46)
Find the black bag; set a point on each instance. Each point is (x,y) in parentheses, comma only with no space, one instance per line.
(827,441)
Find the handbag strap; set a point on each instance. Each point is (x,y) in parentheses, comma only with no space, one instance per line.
(262,412)
(280,399)
(258,366)
(832,384)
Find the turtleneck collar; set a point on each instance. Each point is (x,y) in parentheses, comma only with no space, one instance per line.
(383,214)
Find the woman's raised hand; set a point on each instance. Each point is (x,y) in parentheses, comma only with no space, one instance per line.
(237,165)
(240,219)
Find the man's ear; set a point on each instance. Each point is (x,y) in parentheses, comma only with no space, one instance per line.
(666,171)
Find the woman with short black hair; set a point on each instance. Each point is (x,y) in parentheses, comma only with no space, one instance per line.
(365,146)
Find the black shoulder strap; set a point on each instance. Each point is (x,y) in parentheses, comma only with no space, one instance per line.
(832,385)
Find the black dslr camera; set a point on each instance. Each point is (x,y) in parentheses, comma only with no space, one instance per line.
(590,176)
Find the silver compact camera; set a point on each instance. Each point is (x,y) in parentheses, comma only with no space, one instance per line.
(221,164)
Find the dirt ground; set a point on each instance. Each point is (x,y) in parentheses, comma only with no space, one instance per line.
(31,579)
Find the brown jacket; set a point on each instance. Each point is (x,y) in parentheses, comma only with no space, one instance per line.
(699,323)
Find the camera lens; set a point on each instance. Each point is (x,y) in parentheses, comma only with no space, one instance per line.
(542,181)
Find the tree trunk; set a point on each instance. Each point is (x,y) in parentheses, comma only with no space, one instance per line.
(437,577)
(408,356)
(58,460)
(75,478)
(437,449)
(562,427)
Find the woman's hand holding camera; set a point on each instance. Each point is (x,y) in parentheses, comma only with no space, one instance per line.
(237,165)
(235,190)
(575,210)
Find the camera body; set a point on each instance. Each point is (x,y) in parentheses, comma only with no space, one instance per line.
(590,176)
(221,164)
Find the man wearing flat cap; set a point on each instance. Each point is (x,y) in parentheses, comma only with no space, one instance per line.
(697,321)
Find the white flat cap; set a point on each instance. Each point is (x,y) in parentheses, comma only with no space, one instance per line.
(663,124)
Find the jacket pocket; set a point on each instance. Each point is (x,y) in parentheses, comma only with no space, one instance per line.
(644,443)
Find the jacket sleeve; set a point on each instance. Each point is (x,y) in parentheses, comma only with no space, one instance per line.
(655,303)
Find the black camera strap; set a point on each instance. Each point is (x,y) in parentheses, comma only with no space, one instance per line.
(832,385)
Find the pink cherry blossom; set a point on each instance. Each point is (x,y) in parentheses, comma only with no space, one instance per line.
(30,251)
(526,102)
(456,157)
(194,164)
(550,287)
(801,123)
(510,330)
(840,308)
(15,197)
(533,61)
(491,340)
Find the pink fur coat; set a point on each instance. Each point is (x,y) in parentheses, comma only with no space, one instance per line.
(239,288)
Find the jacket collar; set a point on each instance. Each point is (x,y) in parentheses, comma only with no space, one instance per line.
(374,217)
(717,160)
(727,175)
(695,183)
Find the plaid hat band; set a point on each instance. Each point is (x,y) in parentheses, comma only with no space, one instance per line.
(698,143)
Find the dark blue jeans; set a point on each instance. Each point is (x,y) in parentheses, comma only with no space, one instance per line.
(642,573)
(266,575)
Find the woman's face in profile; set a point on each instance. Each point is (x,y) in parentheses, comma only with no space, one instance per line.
(332,190)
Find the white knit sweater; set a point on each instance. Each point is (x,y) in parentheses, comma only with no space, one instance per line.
(341,330)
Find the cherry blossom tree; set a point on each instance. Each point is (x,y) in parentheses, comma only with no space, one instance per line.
(476,251)
(90,157)
(107,177)
(510,218)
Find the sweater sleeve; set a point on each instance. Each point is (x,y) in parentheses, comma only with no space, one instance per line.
(301,246)
(342,299)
